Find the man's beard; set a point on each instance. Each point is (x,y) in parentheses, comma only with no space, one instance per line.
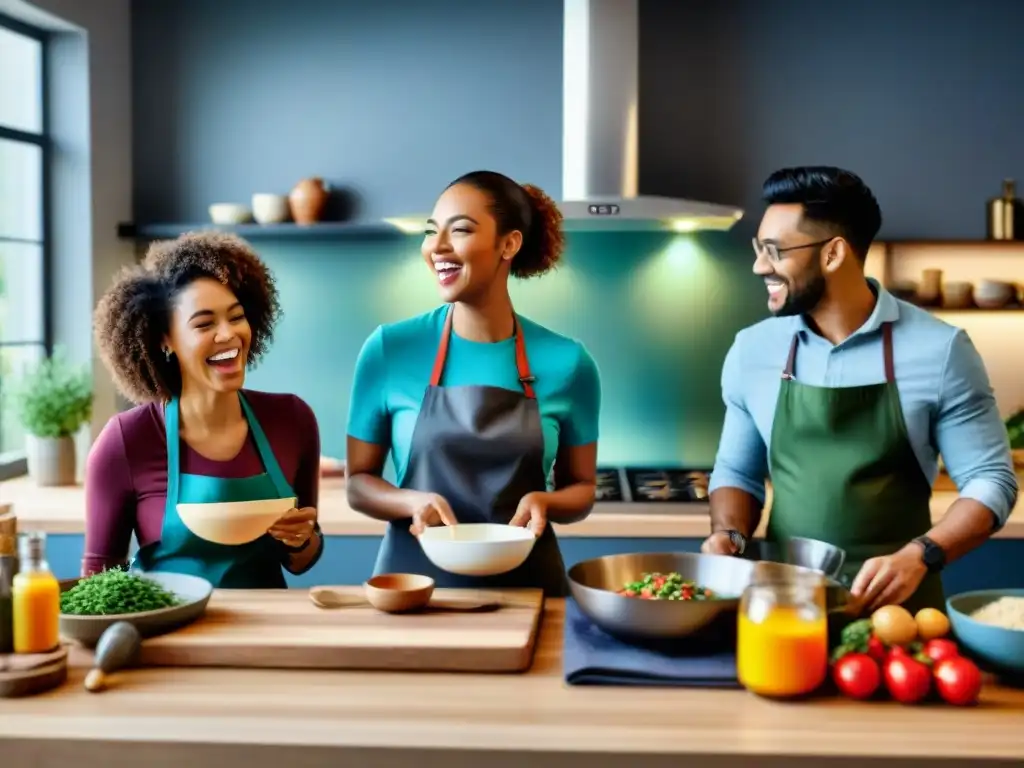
(802,301)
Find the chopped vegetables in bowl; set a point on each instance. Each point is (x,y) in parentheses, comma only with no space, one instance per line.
(666,586)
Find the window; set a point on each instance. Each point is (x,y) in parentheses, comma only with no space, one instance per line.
(24,305)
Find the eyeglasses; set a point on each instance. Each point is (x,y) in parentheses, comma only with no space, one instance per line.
(774,253)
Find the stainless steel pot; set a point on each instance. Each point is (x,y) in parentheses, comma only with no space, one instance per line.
(594,585)
(806,553)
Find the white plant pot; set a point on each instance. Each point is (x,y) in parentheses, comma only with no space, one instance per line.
(51,460)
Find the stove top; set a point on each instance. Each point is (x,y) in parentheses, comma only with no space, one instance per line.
(642,486)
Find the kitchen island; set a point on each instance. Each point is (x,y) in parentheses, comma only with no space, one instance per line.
(271,718)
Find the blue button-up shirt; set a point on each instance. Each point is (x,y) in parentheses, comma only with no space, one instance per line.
(948,404)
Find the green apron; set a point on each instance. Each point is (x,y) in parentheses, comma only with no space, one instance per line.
(256,565)
(843,471)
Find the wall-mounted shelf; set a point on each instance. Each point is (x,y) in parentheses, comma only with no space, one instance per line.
(987,244)
(374,230)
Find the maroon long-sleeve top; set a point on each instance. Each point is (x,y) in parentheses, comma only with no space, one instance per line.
(126,472)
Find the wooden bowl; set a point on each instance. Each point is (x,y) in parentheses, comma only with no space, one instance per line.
(398,592)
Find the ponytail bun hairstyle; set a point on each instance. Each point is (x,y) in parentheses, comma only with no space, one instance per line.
(528,209)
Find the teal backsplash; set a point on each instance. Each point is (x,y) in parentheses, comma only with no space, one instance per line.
(658,312)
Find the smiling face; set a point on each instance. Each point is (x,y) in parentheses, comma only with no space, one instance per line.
(462,246)
(210,337)
(795,281)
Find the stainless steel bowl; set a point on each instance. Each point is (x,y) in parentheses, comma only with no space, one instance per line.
(806,553)
(594,585)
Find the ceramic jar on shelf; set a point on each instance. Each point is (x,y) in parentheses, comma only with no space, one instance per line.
(307,200)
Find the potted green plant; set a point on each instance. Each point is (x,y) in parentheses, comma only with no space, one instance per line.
(53,400)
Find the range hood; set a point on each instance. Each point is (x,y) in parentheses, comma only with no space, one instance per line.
(600,137)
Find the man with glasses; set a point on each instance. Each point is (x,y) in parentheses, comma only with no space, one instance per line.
(845,399)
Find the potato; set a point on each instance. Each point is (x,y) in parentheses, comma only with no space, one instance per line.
(893,625)
(931,624)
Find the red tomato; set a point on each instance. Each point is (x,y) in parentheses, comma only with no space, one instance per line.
(857,675)
(908,680)
(876,649)
(941,648)
(958,681)
(896,650)
(646,593)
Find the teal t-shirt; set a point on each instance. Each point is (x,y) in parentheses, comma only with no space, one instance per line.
(393,372)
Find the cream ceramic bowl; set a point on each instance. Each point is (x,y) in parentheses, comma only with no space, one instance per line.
(270,209)
(477,549)
(233,522)
(229,213)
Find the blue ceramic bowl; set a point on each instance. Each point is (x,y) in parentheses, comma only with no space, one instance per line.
(1000,650)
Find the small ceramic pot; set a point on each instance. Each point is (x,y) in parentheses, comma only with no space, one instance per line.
(308,200)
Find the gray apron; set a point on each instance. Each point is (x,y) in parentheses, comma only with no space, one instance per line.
(482,449)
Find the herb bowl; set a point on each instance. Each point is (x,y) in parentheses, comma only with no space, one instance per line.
(193,592)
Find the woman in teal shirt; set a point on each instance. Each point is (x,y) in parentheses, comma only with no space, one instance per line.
(478,405)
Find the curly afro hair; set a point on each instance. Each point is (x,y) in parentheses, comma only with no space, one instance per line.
(528,209)
(133,317)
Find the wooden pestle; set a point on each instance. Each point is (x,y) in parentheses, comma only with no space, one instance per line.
(116,648)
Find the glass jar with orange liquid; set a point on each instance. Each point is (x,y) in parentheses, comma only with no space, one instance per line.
(35,598)
(782,634)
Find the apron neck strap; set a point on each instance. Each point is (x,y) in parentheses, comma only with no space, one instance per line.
(890,369)
(526,378)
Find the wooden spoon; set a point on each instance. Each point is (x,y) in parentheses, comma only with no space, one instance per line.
(325,597)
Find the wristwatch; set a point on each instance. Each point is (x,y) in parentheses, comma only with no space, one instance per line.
(934,556)
(738,540)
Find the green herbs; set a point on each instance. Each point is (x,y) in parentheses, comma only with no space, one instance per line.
(113,592)
(665,586)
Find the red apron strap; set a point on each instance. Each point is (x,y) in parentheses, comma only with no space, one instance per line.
(890,370)
(442,350)
(526,378)
(787,372)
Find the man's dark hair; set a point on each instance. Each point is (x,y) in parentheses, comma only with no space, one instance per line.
(837,200)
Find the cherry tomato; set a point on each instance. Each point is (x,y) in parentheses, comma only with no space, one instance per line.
(958,681)
(941,648)
(908,680)
(646,593)
(896,651)
(857,675)
(876,649)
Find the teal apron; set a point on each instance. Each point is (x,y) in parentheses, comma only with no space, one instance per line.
(256,565)
(843,470)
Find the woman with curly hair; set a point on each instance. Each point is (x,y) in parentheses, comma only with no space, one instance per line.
(476,403)
(177,334)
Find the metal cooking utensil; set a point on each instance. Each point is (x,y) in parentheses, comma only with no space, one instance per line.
(806,553)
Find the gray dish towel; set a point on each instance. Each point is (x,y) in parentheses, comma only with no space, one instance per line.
(593,657)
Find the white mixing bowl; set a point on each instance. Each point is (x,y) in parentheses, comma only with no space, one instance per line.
(477,549)
(233,522)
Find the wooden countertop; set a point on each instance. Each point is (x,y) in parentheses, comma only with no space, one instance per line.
(256,718)
(62,510)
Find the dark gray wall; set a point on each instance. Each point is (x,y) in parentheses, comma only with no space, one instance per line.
(923,98)
(393,98)
(396,97)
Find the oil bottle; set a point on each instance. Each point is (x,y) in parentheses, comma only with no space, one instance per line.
(35,598)
(1006,214)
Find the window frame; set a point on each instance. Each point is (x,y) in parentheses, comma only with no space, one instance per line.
(16,464)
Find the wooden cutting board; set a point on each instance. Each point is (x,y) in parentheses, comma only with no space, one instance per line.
(282,628)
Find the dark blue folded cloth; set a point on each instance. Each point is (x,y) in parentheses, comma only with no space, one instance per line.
(593,657)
